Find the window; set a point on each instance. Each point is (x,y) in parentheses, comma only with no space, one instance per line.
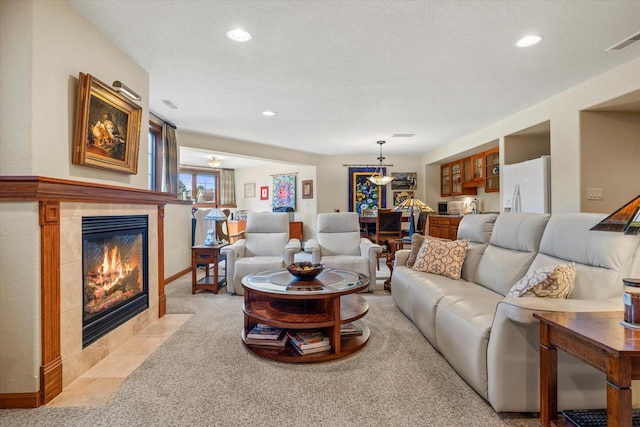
(155,157)
(203,187)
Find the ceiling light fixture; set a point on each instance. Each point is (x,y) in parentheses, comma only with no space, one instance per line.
(120,88)
(214,163)
(528,41)
(378,177)
(239,35)
(268,113)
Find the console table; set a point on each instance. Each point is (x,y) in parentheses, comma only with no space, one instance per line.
(207,255)
(596,338)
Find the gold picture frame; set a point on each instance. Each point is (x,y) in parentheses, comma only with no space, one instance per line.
(107,134)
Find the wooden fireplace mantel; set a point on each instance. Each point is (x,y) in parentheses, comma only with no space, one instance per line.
(23,188)
(49,192)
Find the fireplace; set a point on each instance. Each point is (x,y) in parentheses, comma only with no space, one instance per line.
(115,272)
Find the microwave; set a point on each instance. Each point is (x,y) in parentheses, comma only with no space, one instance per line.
(450,208)
(443,208)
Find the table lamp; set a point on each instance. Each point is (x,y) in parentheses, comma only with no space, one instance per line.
(626,220)
(411,204)
(215,215)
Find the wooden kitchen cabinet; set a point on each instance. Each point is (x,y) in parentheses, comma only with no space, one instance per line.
(444,227)
(445,180)
(492,170)
(457,187)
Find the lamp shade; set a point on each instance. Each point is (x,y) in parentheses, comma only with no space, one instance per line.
(626,219)
(378,178)
(412,204)
(216,214)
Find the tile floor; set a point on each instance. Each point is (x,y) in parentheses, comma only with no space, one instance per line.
(96,386)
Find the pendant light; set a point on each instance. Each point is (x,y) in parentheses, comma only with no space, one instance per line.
(378,178)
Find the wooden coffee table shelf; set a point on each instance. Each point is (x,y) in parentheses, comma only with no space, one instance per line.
(272,298)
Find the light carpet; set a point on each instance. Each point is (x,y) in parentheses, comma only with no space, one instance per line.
(203,376)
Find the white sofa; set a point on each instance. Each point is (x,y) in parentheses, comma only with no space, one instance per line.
(338,245)
(266,246)
(493,341)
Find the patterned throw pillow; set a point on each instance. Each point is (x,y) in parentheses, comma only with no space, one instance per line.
(442,257)
(556,281)
(416,244)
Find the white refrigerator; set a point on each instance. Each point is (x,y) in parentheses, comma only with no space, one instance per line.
(526,186)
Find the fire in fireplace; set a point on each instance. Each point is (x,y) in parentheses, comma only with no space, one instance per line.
(115,272)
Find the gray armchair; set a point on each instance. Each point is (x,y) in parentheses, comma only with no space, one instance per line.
(266,246)
(338,245)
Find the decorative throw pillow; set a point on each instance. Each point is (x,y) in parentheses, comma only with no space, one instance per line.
(556,281)
(416,244)
(442,257)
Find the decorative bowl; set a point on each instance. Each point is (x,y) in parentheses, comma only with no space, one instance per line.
(305,270)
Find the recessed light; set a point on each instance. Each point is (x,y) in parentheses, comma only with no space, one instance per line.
(239,35)
(268,113)
(528,41)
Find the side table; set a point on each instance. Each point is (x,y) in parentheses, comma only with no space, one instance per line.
(206,255)
(596,338)
(395,245)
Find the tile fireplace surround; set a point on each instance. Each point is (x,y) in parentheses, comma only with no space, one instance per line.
(61,204)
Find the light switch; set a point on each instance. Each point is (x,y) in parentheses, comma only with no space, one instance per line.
(594,194)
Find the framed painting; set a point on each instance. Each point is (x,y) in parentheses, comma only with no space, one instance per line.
(404,180)
(249,190)
(107,134)
(264,193)
(362,193)
(400,196)
(307,189)
(284,191)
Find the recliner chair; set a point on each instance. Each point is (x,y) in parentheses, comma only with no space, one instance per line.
(338,245)
(266,246)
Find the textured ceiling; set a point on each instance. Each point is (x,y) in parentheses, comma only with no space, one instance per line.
(343,74)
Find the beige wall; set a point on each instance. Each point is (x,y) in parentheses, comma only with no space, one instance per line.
(44,45)
(610,158)
(305,210)
(333,178)
(177,238)
(521,148)
(563,112)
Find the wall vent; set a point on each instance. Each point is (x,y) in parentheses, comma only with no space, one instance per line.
(403,135)
(626,42)
(170,104)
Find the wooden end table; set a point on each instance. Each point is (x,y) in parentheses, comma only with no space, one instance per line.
(206,255)
(395,245)
(598,339)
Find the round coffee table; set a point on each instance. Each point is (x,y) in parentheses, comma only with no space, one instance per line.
(277,298)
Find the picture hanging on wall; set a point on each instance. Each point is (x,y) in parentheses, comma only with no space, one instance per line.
(284,191)
(264,192)
(400,196)
(307,189)
(363,194)
(249,190)
(404,180)
(107,134)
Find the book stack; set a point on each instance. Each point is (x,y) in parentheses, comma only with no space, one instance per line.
(266,335)
(350,329)
(308,341)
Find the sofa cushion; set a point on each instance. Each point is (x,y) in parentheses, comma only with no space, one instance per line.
(551,282)
(347,262)
(416,243)
(338,233)
(515,240)
(602,258)
(441,257)
(477,228)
